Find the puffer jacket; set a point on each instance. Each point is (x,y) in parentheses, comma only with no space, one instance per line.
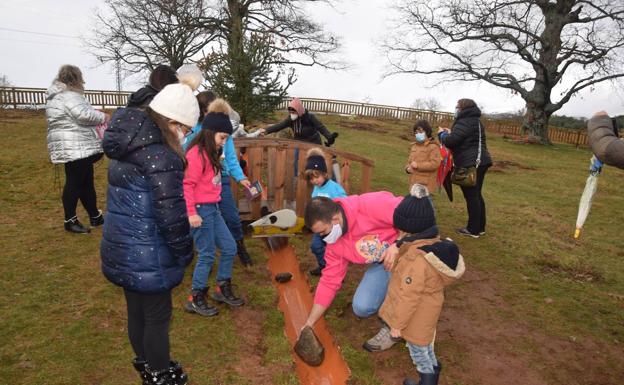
(415,294)
(71,125)
(306,128)
(464,139)
(605,145)
(428,158)
(146,242)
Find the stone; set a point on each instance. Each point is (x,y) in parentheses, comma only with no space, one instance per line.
(309,348)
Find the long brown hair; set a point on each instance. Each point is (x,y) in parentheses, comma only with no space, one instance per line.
(204,99)
(71,76)
(207,146)
(169,138)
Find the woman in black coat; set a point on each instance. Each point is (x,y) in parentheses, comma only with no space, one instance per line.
(467,141)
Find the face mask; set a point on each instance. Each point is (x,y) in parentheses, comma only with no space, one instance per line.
(294,116)
(420,137)
(334,234)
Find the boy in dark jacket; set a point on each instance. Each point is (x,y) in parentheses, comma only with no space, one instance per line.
(305,125)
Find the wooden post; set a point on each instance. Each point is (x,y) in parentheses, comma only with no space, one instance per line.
(14,96)
(345,173)
(578,138)
(289,187)
(302,192)
(255,158)
(278,180)
(366,178)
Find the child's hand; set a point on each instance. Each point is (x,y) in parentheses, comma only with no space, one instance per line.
(389,256)
(395,333)
(246,183)
(195,220)
(413,165)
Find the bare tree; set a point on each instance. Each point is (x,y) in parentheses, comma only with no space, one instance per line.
(428,103)
(546,51)
(4,81)
(143,34)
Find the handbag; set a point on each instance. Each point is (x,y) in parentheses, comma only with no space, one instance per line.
(467,176)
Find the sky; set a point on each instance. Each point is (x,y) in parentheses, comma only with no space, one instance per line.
(32,59)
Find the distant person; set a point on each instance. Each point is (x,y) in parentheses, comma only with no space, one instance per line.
(72,141)
(160,77)
(605,141)
(316,174)
(466,139)
(146,243)
(424,157)
(304,124)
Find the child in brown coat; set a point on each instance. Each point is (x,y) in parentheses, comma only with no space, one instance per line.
(424,158)
(425,265)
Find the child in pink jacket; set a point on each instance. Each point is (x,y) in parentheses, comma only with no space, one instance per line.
(357,229)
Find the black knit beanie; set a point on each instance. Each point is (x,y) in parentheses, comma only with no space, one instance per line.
(415,213)
(217,122)
(316,162)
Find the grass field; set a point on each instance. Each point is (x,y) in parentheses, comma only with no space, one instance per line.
(535,307)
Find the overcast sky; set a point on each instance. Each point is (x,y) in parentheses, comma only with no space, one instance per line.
(31,60)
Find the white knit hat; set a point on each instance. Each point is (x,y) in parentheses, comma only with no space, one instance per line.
(177,102)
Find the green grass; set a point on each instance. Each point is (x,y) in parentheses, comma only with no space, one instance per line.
(61,322)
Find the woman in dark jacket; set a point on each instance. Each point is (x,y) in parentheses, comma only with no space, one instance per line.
(146,242)
(467,141)
(305,125)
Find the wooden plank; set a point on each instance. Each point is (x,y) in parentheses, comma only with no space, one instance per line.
(255,159)
(345,173)
(367,172)
(280,177)
(270,171)
(289,187)
(302,193)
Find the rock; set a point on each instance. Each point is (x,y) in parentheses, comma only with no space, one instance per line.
(309,348)
(283,277)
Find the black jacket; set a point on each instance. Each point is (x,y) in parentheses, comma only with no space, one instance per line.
(464,139)
(142,97)
(306,128)
(146,242)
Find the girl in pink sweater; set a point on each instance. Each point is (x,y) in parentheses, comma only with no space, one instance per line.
(202,192)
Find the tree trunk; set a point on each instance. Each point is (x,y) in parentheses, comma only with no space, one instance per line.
(535,123)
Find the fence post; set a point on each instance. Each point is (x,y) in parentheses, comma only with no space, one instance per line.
(14,97)
(578,138)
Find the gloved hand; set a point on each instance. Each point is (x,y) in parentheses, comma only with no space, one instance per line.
(596,165)
(330,141)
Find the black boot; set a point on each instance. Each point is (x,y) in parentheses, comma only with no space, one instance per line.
(173,375)
(97,220)
(73,225)
(425,379)
(224,294)
(437,369)
(197,304)
(141,367)
(244,256)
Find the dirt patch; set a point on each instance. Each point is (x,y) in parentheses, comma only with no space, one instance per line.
(363,126)
(580,273)
(503,165)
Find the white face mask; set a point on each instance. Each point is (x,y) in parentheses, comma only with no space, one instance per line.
(294,116)
(420,137)
(334,234)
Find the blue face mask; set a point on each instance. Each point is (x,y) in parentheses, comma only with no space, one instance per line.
(420,137)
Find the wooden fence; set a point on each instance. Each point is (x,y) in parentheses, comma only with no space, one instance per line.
(21,97)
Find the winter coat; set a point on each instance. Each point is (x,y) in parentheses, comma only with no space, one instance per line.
(146,242)
(464,139)
(428,158)
(369,231)
(416,290)
(306,128)
(142,97)
(606,146)
(71,125)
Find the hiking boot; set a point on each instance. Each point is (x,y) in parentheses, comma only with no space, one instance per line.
(316,271)
(381,341)
(173,375)
(464,231)
(425,379)
(244,256)
(73,225)
(196,303)
(141,367)
(223,293)
(97,220)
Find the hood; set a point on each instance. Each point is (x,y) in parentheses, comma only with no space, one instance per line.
(129,130)
(444,256)
(470,112)
(142,97)
(296,105)
(56,88)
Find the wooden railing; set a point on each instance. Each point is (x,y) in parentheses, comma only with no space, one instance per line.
(272,162)
(21,97)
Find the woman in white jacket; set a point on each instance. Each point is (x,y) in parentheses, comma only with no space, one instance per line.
(72,141)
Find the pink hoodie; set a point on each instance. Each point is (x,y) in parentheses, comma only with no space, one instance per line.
(201,185)
(369,232)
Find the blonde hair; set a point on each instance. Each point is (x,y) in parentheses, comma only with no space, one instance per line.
(71,76)
(309,174)
(315,151)
(220,106)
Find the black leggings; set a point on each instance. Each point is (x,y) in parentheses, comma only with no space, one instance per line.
(475,203)
(79,185)
(148,327)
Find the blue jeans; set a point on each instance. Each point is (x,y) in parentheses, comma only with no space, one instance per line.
(318,249)
(229,211)
(423,357)
(371,291)
(211,234)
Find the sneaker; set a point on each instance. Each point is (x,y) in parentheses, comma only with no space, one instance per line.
(223,293)
(381,341)
(97,220)
(73,225)
(482,233)
(196,303)
(316,272)
(464,231)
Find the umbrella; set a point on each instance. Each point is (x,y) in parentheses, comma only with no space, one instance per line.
(444,171)
(588,194)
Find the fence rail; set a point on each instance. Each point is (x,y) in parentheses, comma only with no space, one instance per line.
(22,97)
